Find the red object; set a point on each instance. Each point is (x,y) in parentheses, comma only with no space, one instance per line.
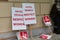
(44,36)
(23,35)
(46,19)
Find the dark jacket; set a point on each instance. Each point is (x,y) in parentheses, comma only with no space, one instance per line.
(55,15)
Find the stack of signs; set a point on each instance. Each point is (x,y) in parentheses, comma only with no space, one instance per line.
(18,19)
(22,17)
(29,13)
(47,20)
(22,35)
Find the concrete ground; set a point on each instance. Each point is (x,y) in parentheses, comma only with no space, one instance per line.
(54,37)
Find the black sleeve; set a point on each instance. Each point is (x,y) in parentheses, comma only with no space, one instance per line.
(53,13)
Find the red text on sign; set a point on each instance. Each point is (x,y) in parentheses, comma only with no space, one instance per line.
(17,24)
(18,11)
(28,9)
(31,14)
(18,14)
(17,19)
(29,18)
(28,6)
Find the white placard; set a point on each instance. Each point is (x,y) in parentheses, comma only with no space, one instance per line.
(29,13)
(17,19)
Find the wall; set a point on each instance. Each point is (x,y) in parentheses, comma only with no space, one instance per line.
(42,8)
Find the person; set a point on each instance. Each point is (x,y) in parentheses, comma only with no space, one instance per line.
(55,16)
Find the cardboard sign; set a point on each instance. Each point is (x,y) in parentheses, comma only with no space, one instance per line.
(44,36)
(29,13)
(18,19)
(22,35)
(46,20)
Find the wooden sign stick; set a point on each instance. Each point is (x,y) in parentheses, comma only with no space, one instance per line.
(50,30)
(30,28)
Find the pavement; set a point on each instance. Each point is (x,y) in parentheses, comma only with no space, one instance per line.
(54,37)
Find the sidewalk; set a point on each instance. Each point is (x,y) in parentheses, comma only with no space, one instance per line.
(54,37)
